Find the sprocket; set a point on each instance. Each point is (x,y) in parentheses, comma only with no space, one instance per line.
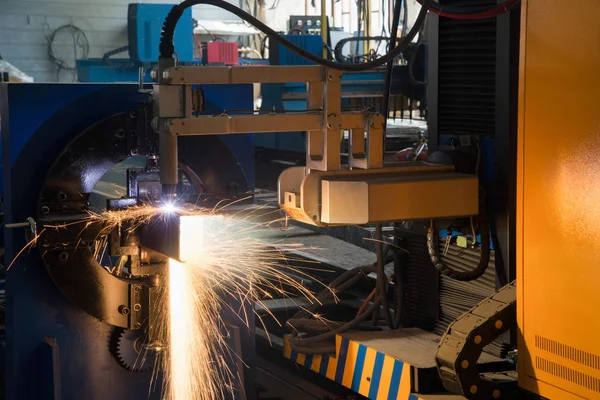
(127,347)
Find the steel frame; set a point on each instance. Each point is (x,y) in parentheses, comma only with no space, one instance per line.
(176,103)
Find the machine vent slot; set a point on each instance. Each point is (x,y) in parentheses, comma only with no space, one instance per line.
(568,374)
(467,74)
(421,303)
(568,352)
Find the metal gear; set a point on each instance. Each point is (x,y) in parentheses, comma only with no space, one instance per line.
(127,347)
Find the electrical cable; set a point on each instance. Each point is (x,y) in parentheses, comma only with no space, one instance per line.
(383,26)
(360,4)
(330,53)
(272,7)
(387,81)
(324,348)
(339,47)
(264,46)
(213,37)
(166,47)
(469,14)
(413,57)
(77,34)
(484,258)
(399,289)
(382,280)
(317,344)
(106,57)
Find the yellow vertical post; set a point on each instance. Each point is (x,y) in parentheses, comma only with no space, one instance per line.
(367,23)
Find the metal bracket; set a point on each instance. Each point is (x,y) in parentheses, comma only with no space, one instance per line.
(371,155)
(324,121)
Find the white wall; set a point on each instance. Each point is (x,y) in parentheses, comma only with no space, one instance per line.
(25,24)
(279,17)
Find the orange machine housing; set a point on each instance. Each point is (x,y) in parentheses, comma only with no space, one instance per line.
(558,200)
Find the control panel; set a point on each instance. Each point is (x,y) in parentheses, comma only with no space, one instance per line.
(305,24)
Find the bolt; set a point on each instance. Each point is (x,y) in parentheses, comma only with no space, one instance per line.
(137,325)
(61,196)
(63,256)
(65,209)
(155,124)
(132,114)
(464,364)
(120,133)
(137,307)
(498,324)
(45,210)
(123,309)
(137,288)
(154,75)
(473,389)
(477,339)
(496,394)
(166,75)
(134,152)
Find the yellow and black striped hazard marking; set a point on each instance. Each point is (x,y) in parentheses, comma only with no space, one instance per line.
(365,370)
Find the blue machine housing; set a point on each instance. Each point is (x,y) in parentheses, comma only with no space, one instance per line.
(54,349)
(144,25)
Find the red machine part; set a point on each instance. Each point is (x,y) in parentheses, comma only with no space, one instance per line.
(223,53)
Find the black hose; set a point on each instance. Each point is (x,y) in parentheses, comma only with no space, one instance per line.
(484,258)
(343,282)
(339,56)
(302,345)
(412,59)
(106,57)
(314,344)
(167,49)
(404,18)
(382,280)
(318,344)
(387,81)
(398,289)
